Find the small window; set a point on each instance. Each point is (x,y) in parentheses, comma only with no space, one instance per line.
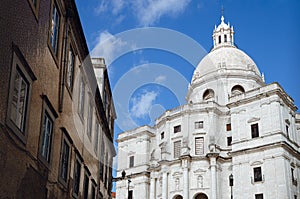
(229,141)
(54,28)
(177,149)
(199,146)
(225,38)
(131,161)
(47,129)
(93,192)
(177,128)
(228,127)
(257,174)
(76,176)
(96,137)
(199,125)
(287,130)
(47,133)
(65,161)
(237,89)
(162,135)
(70,69)
(254,130)
(259,196)
(219,39)
(86,186)
(130,194)
(294,180)
(90,121)
(208,94)
(81,98)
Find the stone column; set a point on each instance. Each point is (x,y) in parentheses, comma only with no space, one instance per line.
(152,188)
(185,167)
(164,190)
(213,175)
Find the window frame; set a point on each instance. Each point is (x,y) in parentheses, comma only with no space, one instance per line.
(19,65)
(55,51)
(65,140)
(229,141)
(81,98)
(259,196)
(86,182)
(162,135)
(49,111)
(199,125)
(254,134)
(255,177)
(131,161)
(78,161)
(71,86)
(196,146)
(177,149)
(177,129)
(90,120)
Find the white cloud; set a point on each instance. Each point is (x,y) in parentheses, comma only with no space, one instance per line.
(150,11)
(147,12)
(107,46)
(160,79)
(142,104)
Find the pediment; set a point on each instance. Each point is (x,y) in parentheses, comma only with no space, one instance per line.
(253,119)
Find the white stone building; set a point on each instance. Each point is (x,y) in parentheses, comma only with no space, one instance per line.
(233,123)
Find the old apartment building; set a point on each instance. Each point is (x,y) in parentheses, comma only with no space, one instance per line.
(56,117)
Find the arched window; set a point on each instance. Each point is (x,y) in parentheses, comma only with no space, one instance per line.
(208,94)
(201,196)
(237,89)
(219,39)
(178,197)
(225,38)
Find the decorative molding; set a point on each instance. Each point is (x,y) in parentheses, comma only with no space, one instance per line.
(253,119)
(199,171)
(255,163)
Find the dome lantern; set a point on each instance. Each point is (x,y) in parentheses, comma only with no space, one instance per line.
(223,35)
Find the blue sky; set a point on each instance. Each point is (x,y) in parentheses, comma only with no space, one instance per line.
(148,77)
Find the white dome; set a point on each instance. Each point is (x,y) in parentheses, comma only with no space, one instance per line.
(227,58)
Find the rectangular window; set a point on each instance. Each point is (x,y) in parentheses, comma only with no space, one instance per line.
(130,194)
(90,121)
(102,158)
(225,38)
(177,149)
(199,146)
(257,174)
(287,130)
(294,180)
(96,138)
(47,131)
(229,140)
(131,161)
(81,98)
(65,160)
(70,69)
(177,128)
(228,127)
(199,125)
(19,99)
(76,182)
(93,192)
(254,130)
(54,28)
(162,135)
(86,186)
(19,94)
(259,196)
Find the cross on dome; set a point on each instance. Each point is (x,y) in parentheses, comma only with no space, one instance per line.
(223,34)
